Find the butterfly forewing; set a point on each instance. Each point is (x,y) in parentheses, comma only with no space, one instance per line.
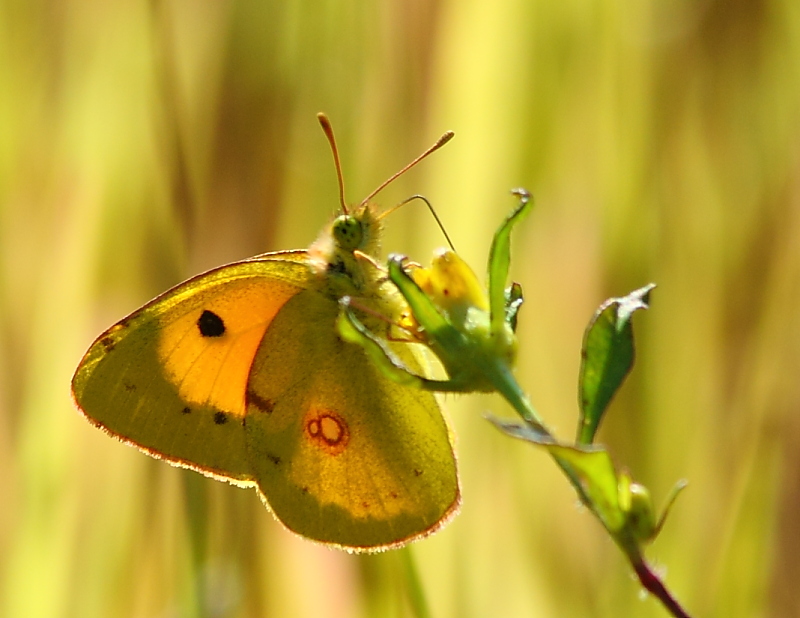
(170,378)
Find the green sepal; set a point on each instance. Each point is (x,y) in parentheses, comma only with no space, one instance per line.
(673,495)
(450,345)
(500,258)
(352,330)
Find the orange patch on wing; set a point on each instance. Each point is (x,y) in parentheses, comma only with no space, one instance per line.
(210,366)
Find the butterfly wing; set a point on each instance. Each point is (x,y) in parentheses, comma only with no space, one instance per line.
(340,453)
(171,377)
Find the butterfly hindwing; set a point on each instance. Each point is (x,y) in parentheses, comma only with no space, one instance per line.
(342,454)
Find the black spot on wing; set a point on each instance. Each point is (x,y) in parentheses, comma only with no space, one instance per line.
(220,418)
(210,324)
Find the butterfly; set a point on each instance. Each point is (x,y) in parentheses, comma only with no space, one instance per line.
(239,373)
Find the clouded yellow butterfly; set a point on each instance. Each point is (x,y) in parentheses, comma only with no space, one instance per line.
(239,374)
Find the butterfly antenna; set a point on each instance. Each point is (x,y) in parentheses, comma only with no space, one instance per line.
(328,129)
(430,207)
(439,143)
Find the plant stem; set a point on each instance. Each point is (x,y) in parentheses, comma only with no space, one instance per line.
(655,586)
(510,390)
(506,384)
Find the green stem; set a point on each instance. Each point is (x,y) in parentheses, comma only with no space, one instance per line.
(507,385)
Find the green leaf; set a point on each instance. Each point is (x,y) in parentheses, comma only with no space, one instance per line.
(524,431)
(607,358)
(589,468)
(595,472)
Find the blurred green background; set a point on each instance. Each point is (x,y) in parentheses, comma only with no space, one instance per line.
(142,142)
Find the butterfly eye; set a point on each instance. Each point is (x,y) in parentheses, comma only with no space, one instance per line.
(348,232)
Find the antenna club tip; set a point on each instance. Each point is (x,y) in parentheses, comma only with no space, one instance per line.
(323,119)
(448,135)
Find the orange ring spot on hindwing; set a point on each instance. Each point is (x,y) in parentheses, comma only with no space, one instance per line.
(326,430)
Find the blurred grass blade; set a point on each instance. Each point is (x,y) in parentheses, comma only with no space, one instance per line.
(606,358)
(416,592)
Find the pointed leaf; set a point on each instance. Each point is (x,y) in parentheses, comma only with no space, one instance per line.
(607,358)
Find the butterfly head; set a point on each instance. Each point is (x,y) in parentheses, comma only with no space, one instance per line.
(338,254)
(357,230)
(343,256)
(347,232)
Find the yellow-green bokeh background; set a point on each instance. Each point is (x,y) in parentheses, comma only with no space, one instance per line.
(141,142)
